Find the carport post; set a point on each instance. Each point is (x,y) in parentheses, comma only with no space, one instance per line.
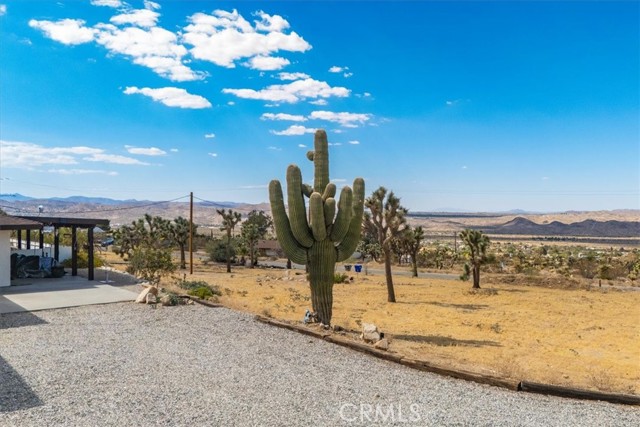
(28,239)
(56,243)
(41,240)
(90,249)
(74,250)
(19,233)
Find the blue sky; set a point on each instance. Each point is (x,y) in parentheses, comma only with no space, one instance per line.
(481,106)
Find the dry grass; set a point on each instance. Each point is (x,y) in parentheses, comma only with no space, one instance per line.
(578,337)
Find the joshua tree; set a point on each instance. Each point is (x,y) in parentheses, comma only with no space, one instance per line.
(180,234)
(328,237)
(477,244)
(386,220)
(229,221)
(412,242)
(254,228)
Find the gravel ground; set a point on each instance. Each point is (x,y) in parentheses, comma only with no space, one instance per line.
(131,365)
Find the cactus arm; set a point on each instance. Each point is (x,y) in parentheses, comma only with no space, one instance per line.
(329,191)
(329,211)
(352,238)
(317,217)
(307,190)
(343,219)
(320,161)
(294,251)
(297,211)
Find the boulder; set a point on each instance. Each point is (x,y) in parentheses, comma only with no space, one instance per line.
(383,344)
(149,290)
(370,333)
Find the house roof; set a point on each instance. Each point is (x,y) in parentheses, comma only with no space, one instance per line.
(16,223)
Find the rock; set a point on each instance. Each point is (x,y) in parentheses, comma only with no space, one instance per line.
(151,299)
(142,298)
(383,344)
(370,333)
(165,300)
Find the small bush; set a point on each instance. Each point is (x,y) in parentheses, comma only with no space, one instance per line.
(340,278)
(203,292)
(83,261)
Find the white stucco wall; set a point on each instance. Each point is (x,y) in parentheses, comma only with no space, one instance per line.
(5,258)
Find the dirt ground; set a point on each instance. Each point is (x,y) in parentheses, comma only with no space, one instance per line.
(583,337)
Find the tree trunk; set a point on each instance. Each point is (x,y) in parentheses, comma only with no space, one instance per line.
(321,271)
(229,252)
(252,254)
(391,295)
(476,276)
(183,263)
(288,264)
(414,263)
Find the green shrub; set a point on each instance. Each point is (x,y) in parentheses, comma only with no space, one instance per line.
(83,261)
(340,278)
(202,292)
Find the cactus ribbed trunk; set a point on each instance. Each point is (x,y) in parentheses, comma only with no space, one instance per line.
(321,279)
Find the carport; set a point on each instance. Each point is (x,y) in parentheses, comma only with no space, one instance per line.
(7,225)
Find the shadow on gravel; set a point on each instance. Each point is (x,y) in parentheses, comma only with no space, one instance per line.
(15,393)
(17,320)
(446,341)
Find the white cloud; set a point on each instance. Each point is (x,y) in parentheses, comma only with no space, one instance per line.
(231,103)
(293,130)
(349,120)
(274,148)
(154,48)
(347,75)
(209,135)
(270,23)
(293,76)
(140,17)
(335,144)
(213,154)
(174,150)
(82,172)
(3,9)
(302,146)
(171,97)
(108,3)
(291,92)
(545,178)
(339,180)
(151,151)
(151,5)
(283,116)
(336,69)
(354,142)
(225,37)
(268,63)
(319,102)
(464,167)
(65,31)
(113,158)
(26,155)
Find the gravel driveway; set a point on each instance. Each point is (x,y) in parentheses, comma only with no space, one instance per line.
(131,365)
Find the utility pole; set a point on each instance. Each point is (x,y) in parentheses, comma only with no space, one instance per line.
(191,233)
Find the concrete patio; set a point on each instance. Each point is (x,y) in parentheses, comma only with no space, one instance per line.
(69,291)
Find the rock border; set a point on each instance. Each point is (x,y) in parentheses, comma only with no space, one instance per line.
(422,365)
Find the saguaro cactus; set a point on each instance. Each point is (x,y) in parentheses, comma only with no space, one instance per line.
(328,236)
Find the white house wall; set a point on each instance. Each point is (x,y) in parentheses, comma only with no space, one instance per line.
(5,258)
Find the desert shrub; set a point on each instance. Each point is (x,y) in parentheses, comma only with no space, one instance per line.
(217,250)
(340,278)
(202,292)
(150,263)
(173,299)
(200,288)
(83,261)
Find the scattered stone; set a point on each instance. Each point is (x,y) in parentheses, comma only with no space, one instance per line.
(165,300)
(383,344)
(370,333)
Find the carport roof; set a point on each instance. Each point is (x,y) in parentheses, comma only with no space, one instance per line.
(17,223)
(68,222)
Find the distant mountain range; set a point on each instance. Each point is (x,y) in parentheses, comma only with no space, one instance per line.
(591,228)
